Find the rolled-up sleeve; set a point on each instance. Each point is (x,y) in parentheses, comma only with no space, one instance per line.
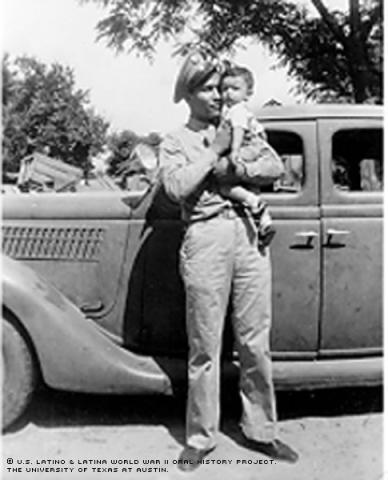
(179,175)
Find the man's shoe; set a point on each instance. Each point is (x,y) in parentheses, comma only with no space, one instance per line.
(191,458)
(276,450)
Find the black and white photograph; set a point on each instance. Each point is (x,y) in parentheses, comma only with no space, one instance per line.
(192,239)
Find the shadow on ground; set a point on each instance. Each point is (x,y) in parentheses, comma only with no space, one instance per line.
(53,409)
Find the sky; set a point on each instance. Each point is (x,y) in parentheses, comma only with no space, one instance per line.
(125,89)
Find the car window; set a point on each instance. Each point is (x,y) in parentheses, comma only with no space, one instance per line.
(357,159)
(289,146)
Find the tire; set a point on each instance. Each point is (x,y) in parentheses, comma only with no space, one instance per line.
(19,372)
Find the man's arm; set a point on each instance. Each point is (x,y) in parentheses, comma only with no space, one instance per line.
(179,177)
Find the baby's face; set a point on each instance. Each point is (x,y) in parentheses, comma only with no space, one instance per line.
(234,90)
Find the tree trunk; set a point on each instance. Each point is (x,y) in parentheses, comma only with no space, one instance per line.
(354,47)
(358,62)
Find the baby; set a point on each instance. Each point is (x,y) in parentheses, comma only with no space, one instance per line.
(236,88)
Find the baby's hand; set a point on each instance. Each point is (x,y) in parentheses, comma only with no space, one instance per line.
(223,138)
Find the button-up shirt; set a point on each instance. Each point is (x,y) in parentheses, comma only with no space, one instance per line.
(186,164)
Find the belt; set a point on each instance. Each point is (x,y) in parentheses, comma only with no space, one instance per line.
(227,212)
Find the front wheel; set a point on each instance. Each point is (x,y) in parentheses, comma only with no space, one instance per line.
(19,372)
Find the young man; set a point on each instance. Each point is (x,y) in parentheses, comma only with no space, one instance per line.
(219,258)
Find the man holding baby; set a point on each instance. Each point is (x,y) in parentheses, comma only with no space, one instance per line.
(215,173)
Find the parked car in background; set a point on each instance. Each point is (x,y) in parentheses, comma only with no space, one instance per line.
(93,300)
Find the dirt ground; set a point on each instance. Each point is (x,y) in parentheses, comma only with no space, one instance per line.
(337,433)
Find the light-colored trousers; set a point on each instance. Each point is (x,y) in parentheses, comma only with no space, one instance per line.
(219,258)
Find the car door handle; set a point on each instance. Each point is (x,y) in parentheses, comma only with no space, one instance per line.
(333,232)
(90,308)
(308,236)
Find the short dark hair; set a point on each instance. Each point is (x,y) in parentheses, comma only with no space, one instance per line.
(238,71)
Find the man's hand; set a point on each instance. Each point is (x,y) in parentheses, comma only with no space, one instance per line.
(223,139)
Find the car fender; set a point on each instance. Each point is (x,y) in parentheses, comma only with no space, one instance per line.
(73,351)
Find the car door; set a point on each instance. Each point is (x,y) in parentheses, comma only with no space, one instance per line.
(352,224)
(155,315)
(296,247)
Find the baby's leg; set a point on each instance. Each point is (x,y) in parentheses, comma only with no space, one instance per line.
(259,208)
(259,205)
(241,195)
(265,228)
(265,218)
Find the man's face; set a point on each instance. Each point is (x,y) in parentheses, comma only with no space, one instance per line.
(234,90)
(205,100)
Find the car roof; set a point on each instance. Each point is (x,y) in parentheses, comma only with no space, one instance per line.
(305,111)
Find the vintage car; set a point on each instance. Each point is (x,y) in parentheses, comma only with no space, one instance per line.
(93,300)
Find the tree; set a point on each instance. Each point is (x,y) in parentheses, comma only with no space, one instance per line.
(333,56)
(121,145)
(43,111)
